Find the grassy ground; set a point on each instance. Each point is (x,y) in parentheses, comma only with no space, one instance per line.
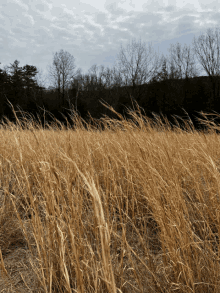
(132,210)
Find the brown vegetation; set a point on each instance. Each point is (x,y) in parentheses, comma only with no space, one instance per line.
(113,211)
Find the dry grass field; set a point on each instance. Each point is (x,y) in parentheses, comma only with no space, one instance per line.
(132,210)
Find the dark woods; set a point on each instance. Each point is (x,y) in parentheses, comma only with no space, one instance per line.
(167,98)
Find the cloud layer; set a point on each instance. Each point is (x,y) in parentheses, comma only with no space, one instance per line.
(93,31)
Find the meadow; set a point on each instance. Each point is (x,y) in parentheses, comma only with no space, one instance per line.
(127,209)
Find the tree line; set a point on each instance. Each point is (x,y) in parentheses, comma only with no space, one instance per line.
(160,85)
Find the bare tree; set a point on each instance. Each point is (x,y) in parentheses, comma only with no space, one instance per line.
(104,76)
(135,66)
(40,80)
(77,83)
(115,77)
(94,73)
(162,74)
(75,78)
(98,79)
(62,70)
(88,82)
(183,61)
(54,75)
(206,48)
(95,80)
(179,65)
(126,72)
(107,78)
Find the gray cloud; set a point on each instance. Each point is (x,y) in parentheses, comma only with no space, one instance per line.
(92,31)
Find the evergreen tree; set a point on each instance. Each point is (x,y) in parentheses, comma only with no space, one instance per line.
(16,83)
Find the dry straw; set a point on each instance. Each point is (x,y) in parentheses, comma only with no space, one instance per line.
(131,208)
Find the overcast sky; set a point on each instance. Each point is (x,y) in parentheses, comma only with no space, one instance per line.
(93,31)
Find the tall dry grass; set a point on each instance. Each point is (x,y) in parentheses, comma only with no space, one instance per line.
(129,209)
